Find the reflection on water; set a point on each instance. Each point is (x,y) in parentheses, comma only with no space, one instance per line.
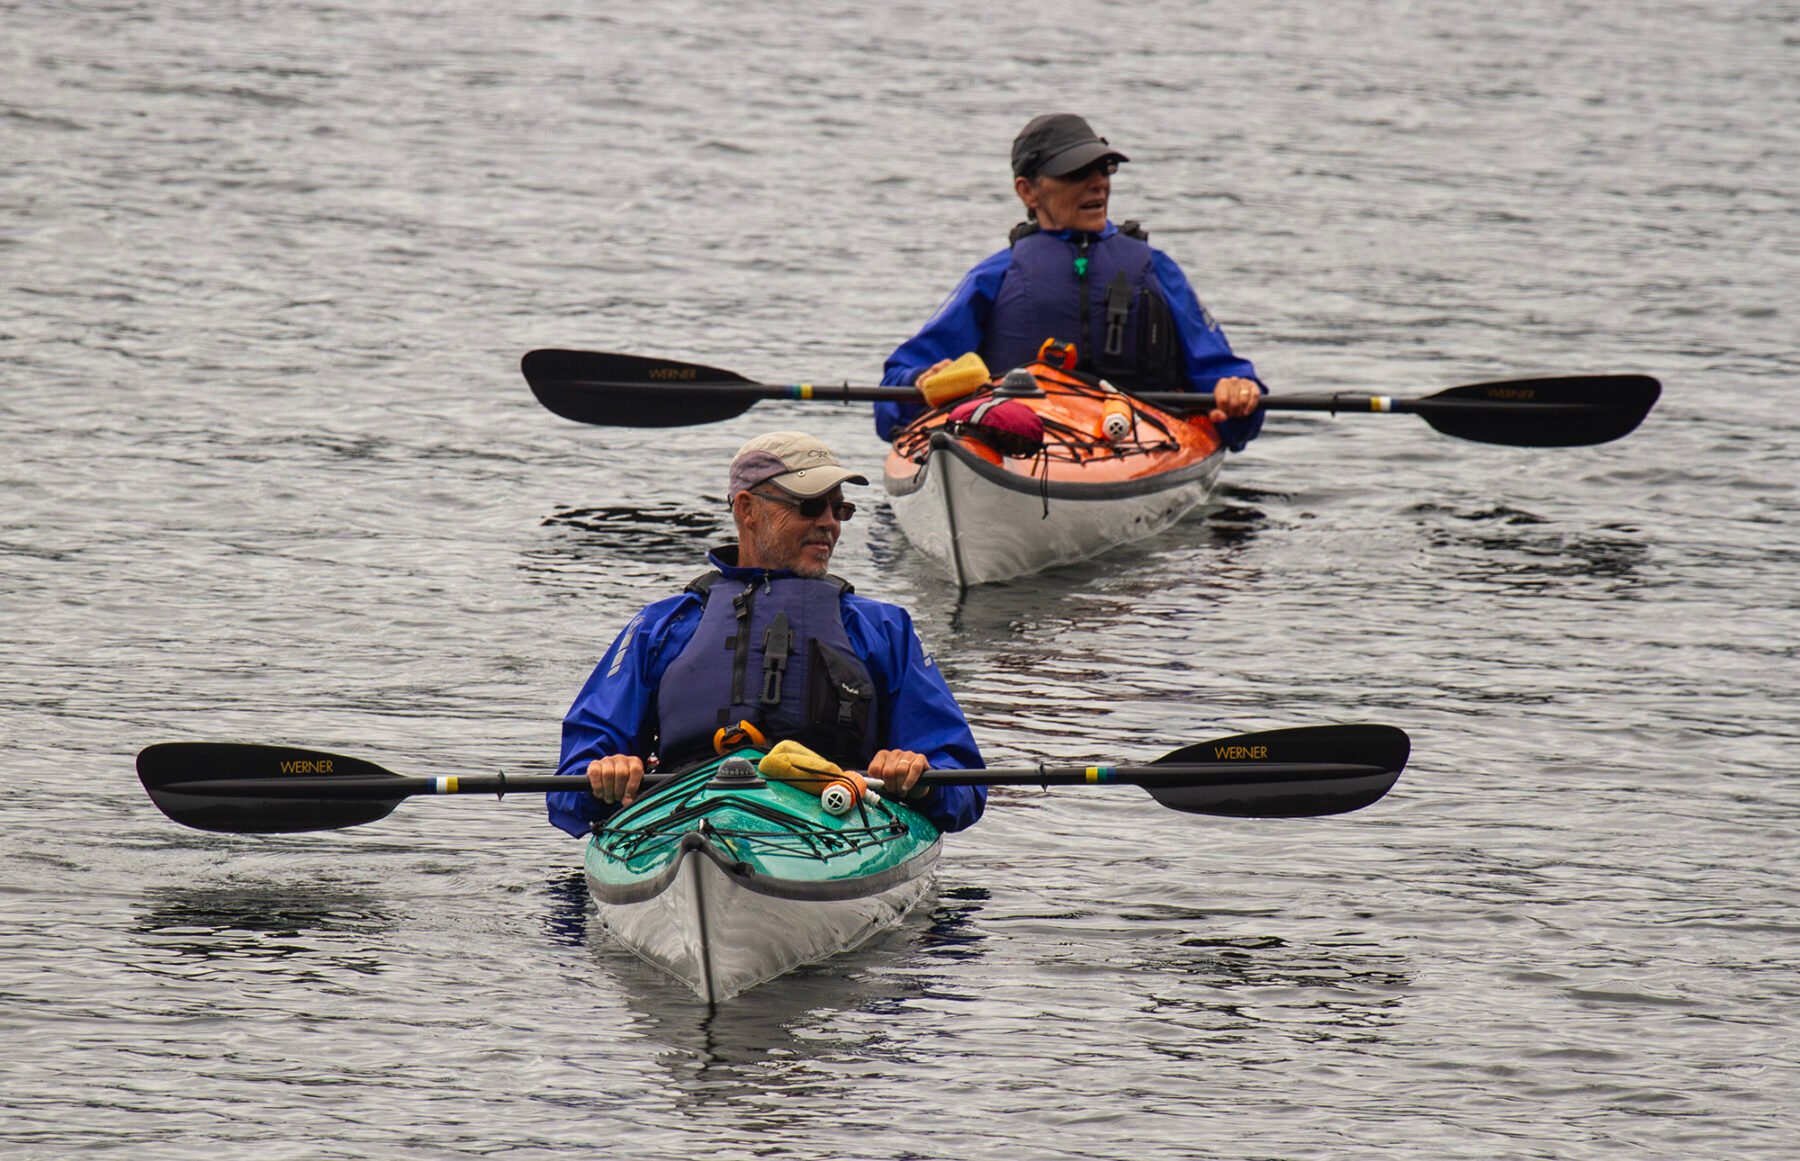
(1107,596)
(1236,520)
(887,545)
(565,916)
(782,1035)
(952,935)
(586,551)
(308,933)
(1247,978)
(729,1057)
(656,532)
(1519,547)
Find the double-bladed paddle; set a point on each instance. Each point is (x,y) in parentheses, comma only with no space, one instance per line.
(244,788)
(634,391)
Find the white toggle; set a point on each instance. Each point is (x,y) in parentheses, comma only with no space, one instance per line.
(837,798)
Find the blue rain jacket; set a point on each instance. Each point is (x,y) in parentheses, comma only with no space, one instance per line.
(615,711)
(960,325)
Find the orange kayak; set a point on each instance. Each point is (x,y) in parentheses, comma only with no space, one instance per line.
(1044,468)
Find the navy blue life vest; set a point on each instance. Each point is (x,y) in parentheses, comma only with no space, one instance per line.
(1100,295)
(773,652)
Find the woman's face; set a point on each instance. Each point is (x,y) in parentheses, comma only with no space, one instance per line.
(1076,201)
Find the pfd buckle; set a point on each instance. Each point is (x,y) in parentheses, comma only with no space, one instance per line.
(1057,353)
(729,738)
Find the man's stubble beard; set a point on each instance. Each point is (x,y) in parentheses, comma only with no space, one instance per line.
(798,566)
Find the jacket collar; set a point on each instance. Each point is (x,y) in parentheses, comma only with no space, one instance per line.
(1108,232)
(724,558)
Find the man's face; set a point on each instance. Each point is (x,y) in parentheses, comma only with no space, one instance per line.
(773,533)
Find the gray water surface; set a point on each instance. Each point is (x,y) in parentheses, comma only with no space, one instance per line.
(270,473)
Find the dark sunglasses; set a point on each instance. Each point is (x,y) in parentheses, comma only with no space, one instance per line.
(812,507)
(1106,165)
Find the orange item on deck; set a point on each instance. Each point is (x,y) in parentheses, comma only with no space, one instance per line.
(1115,420)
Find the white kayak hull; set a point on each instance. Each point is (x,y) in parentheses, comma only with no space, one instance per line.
(720,931)
(981,523)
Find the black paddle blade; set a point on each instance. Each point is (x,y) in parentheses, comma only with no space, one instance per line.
(177,774)
(1568,411)
(1382,750)
(633,391)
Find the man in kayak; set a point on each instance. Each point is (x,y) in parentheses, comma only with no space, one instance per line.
(768,643)
(1069,274)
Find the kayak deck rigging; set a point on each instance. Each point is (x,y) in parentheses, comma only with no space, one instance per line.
(1070,403)
(794,835)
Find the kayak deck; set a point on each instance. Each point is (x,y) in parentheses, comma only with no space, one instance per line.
(1072,409)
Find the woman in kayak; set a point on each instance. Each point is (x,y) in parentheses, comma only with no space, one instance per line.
(1070,275)
(769,645)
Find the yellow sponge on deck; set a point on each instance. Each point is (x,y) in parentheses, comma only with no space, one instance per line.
(960,378)
(796,765)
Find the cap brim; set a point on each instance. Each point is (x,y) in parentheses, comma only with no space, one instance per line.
(809,482)
(1076,156)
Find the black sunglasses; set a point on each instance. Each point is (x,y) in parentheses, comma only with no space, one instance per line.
(1106,165)
(812,507)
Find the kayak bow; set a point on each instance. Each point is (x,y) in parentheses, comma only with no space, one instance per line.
(725,880)
(983,514)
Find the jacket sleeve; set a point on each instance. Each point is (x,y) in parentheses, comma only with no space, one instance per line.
(918,711)
(615,711)
(955,330)
(1205,350)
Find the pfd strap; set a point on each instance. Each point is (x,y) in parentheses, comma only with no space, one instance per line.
(778,642)
(739,643)
(1022,230)
(1118,309)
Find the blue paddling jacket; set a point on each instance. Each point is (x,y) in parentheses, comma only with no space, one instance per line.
(616,711)
(1014,299)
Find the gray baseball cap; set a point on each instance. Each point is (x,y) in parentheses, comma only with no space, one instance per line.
(797,463)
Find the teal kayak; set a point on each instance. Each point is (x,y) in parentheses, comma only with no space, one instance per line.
(726,880)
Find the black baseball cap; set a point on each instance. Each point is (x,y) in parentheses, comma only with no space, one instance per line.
(1056,144)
